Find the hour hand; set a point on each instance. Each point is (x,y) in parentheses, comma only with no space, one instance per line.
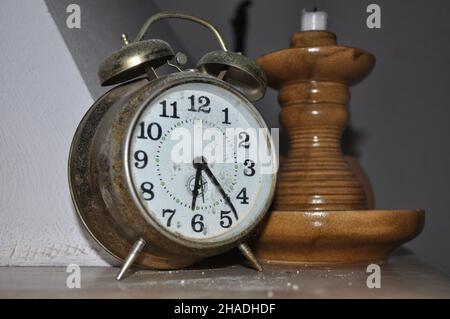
(198,176)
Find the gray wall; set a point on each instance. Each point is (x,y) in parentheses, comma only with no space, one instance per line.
(399,111)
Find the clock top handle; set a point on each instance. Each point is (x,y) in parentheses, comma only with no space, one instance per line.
(183,16)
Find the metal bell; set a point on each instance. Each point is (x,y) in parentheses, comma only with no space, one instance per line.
(236,69)
(133,60)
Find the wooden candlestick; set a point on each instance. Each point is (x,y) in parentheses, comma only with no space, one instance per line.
(320,211)
(313,92)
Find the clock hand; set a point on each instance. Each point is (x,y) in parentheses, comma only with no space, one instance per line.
(214,180)
(243,247)
(203,188)
(198,176)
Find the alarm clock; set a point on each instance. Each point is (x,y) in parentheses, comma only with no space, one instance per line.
(166,169)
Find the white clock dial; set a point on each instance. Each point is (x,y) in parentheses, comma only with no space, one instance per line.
(211,125)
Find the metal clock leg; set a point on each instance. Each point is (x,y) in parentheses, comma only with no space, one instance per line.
(248,254)
(134,252)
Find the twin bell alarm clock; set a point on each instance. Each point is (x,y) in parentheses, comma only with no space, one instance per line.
(168,169)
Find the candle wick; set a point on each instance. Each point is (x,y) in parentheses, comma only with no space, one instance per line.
(315,9)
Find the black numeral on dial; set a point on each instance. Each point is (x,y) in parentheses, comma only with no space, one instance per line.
(174,114)
(197,223)
(244,138)
(226,115)
(250,168)
(200,105)
(225,220)
(147,191)
(153,131)
(141,159)
(170,213)
(243,196)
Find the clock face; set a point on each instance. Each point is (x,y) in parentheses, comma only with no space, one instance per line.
(201,163)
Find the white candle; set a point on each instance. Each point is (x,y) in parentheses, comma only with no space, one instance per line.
(314,21)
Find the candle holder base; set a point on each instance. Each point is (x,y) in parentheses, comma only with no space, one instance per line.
(335,237)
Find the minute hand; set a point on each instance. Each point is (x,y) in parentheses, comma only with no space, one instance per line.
(221,190)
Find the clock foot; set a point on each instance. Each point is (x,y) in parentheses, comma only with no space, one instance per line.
(132,255)
(248,254)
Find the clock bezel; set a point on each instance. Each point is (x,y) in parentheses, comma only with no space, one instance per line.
(170,82)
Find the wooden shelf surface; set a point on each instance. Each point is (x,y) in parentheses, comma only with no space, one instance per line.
(403,277)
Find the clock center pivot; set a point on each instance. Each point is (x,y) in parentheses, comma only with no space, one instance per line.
(191,185)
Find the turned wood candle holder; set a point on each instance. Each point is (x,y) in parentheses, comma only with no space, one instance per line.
(320,213)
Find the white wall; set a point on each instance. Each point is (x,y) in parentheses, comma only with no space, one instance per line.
(42,99)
